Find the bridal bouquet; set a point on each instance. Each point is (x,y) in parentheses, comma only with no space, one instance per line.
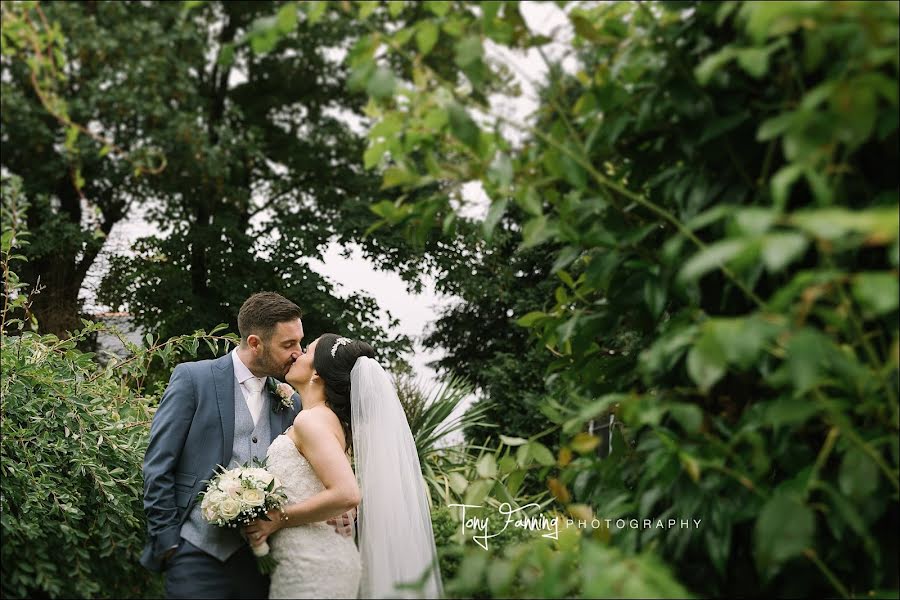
(236,497)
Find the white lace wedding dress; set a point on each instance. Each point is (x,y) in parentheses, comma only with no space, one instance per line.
(314,561)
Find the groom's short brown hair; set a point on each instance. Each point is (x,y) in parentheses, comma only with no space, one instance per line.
(261,312)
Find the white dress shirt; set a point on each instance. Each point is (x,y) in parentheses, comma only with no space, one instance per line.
(242,374)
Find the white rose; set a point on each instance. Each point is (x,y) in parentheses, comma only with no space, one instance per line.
(213,498)
(210,514)
(264,476)
(231,487)
(229,508)
(253,497)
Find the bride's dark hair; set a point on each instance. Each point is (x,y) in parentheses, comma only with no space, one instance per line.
(334,369)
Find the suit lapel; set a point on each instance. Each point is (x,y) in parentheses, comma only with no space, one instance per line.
(223,378)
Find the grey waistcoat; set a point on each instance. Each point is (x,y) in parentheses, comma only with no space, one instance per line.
(222,542)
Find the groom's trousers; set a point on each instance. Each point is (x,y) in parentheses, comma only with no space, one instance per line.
(192,573)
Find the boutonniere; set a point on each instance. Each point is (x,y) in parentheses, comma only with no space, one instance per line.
(284,392)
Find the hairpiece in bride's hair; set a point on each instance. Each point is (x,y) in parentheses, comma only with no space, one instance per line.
(337,343)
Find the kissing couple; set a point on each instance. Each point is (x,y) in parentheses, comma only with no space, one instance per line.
(341,446)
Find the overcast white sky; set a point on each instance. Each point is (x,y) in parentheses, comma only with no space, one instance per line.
(355,274)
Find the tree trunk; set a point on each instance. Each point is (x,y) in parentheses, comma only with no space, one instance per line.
(57,277)
(56,307)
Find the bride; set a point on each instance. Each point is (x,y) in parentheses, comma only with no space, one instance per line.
(350,408)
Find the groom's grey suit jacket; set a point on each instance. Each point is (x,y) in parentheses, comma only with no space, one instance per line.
(193,431)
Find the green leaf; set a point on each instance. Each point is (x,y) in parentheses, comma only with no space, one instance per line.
(782,182)
(783,530)
(387,127)
(315,11)
(654,296)
(805,356)
(769,19)
(775,126)
(530,201)
(523,457)
(458,483)
(565,258)
(531,318)
(711,64)
(790,411)
(877,293)
(487,466)
(541,454)
(584,28)
(382,83)
(395,175)
(366,8)
(427,34)
(438,7)
(512,441)
(435,119)
(507,465)
(712,257)
(287,17)
(755,61)
(515,480)
(781,249)
(706,361)
(755,220)
(478,491)
(495,213)
(373,154)
(879,225)
(566,278)
(689,416)
(468,51)
(850,514)
(536,231)
(462,126)
(858,477)
(395,7)
(573,172)
(500,171)
(264,42)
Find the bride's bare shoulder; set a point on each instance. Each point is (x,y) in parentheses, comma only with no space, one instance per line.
(313,421)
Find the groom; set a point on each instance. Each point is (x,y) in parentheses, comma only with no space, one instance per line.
(216,412)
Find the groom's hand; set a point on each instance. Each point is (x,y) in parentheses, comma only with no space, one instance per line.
(344,523)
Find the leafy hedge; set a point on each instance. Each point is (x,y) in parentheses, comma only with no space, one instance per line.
(73,435)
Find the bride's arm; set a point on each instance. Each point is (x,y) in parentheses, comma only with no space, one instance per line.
(322,449)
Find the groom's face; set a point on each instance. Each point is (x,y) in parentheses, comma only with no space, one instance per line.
(278,353)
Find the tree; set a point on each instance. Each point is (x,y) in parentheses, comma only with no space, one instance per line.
(260,163)
(263,164)
(108,69)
